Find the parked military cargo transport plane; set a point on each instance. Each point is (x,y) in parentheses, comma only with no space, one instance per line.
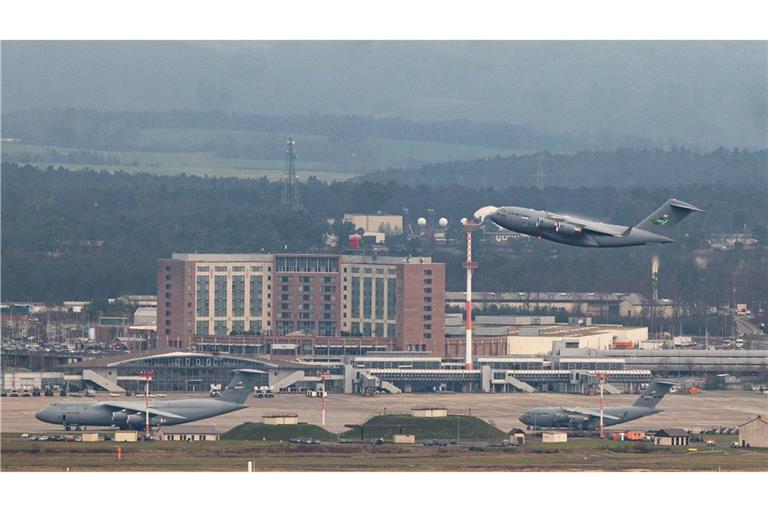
(573,230)
(130,415)
(576,418)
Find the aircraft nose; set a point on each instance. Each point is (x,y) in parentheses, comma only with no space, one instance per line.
(44,415)
(484,212)
(524,418)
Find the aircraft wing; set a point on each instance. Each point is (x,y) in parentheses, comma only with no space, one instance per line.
(589,412)
(140,409)
(588,225)
(599,227)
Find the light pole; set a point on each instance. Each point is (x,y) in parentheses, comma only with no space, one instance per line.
(602,403)
(147,375)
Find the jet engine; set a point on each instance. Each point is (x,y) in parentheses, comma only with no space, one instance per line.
(567,228)
(577,421)
(135,419)
(119,417)
(546,224)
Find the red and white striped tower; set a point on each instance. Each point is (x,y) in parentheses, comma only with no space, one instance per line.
(469,265)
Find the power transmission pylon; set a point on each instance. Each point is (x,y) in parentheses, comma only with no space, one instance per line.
(290,192)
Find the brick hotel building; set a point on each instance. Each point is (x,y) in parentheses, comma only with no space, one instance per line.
(286,300)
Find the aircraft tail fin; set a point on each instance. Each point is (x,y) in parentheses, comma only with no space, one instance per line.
(668,215)
(240,386)
(654,393)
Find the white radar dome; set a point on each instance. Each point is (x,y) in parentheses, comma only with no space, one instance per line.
(443,222)
(422,221)
(464,220)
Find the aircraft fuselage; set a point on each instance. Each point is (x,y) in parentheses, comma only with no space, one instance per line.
(131,415)
(559,417)
(571,230)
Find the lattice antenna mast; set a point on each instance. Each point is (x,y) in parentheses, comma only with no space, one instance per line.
(290,192)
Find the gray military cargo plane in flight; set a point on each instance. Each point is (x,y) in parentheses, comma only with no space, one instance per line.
(573,230)
(130,415)
(577,418)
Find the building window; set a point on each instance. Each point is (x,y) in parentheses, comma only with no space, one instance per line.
(427,317)
(220,269)
(202,269)
(367,296)
(238,296)
(427,290)
(201,327)
(256,295)
(202,296)
(428,272)
(355,297)
(220,296)
(428,281)
(220,327)
(379,298)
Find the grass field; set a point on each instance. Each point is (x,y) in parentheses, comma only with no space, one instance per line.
(187,156)
(576,455)
(192,163)
(260,431)
(466,428)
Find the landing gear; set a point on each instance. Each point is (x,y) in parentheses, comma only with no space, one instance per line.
(67,428)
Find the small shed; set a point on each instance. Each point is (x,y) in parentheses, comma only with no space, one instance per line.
(429,412)
(404,439)
(517,436)
(754,433)
(126,436)
(90,437)
(189,433)
(554,437)
(672,437)
(280,419)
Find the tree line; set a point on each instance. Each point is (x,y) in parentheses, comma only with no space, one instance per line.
(94,234)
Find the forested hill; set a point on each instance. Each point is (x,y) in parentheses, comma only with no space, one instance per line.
(620,168)
(87,234)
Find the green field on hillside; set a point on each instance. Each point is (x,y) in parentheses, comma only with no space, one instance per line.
(455,428)
(191,163)
(198,152)
(262,432)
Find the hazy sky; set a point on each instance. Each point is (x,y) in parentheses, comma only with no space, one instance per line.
(697,93)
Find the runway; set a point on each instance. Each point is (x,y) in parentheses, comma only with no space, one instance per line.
(706,409)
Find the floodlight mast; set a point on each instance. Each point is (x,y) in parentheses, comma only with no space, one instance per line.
(323,376)
(147,375)
(602,403)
